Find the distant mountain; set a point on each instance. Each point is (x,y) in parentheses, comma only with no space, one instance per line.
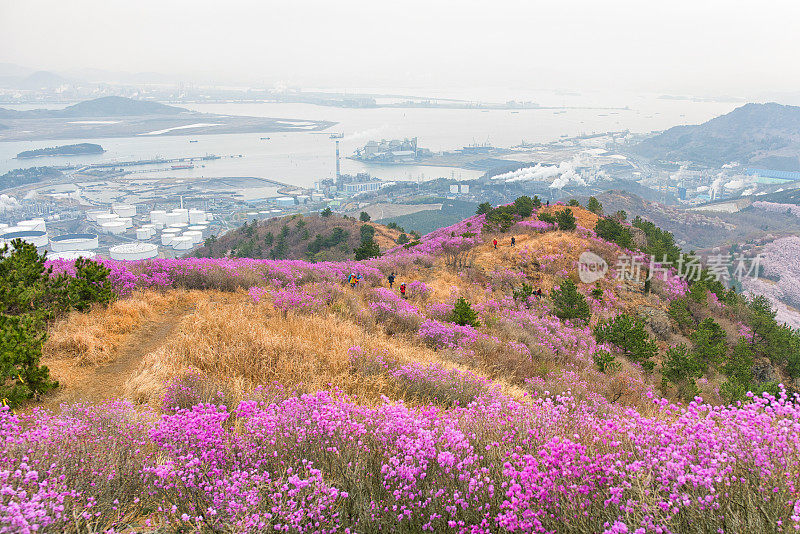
(107,106)
(763,135)
(118,106)
(42,79)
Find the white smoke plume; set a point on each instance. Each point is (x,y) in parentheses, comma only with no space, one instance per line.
(9,203)
(563,173)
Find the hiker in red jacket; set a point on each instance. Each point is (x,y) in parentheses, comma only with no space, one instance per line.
(495,243)
(403,290)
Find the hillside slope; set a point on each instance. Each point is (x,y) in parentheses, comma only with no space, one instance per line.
(253,395)
(766,135)
(296,237)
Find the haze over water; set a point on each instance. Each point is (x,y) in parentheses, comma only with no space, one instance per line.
(301,158)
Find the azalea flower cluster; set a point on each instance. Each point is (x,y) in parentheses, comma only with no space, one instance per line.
(536,226)
(322,463)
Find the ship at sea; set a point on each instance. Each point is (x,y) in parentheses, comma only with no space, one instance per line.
(182,166)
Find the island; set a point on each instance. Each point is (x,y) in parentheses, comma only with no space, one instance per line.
(113,116)
(80,149)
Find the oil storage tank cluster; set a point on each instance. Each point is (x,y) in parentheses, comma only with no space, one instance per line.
(115,223)
(74,242)
(162,219)
(133,251)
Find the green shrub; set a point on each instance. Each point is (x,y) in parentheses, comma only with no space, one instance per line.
(605,361)
(327,212)
(402,239)
(548,218)
(483,207)
(364,216)
(568,303)
(574,203)
(566,220)
(463,314)
(709,342)
(681,363)
(30,298)
(367,249)
(594,206)
(597,292)
(524,292)
(90,285)
(628,333)
(524,206)
(679,311)
(536,202)
(612,230)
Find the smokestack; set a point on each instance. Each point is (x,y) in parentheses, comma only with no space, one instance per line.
(338,172)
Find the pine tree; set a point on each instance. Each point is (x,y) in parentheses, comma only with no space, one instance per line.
(568,303)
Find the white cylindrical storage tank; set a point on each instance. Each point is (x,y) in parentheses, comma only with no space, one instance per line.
(72,255)
(124,210)
(172,218)
(179,226)
(198,228)
(127,221)
(71,242)
(143,234)
(113,227)
(182,243)
(197,216)
(93,214)
(209,216)
(183,215)
(34,237)
(34,224)
(133,251)
(197,237)
(106,217)
(158,216)
(167,237)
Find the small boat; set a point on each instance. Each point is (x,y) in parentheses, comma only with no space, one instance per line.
(336,135)
(192,140)
(265,138)
(180,167)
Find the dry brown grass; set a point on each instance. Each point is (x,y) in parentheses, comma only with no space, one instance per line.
(94,338)
(242,345)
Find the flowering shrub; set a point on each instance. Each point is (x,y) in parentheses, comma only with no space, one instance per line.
(419,290)
(389,307)
(440,335)
(322,463)
(536,226)
(428,383)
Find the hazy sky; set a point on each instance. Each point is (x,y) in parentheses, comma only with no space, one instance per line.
(700,47)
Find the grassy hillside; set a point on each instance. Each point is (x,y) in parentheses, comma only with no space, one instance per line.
(424,222)
(244,395)
(296,237)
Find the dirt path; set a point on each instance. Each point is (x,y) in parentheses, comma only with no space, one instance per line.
(105,382)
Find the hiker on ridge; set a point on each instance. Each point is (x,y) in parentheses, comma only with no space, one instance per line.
(495,243)
(403,290)
(390,278)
